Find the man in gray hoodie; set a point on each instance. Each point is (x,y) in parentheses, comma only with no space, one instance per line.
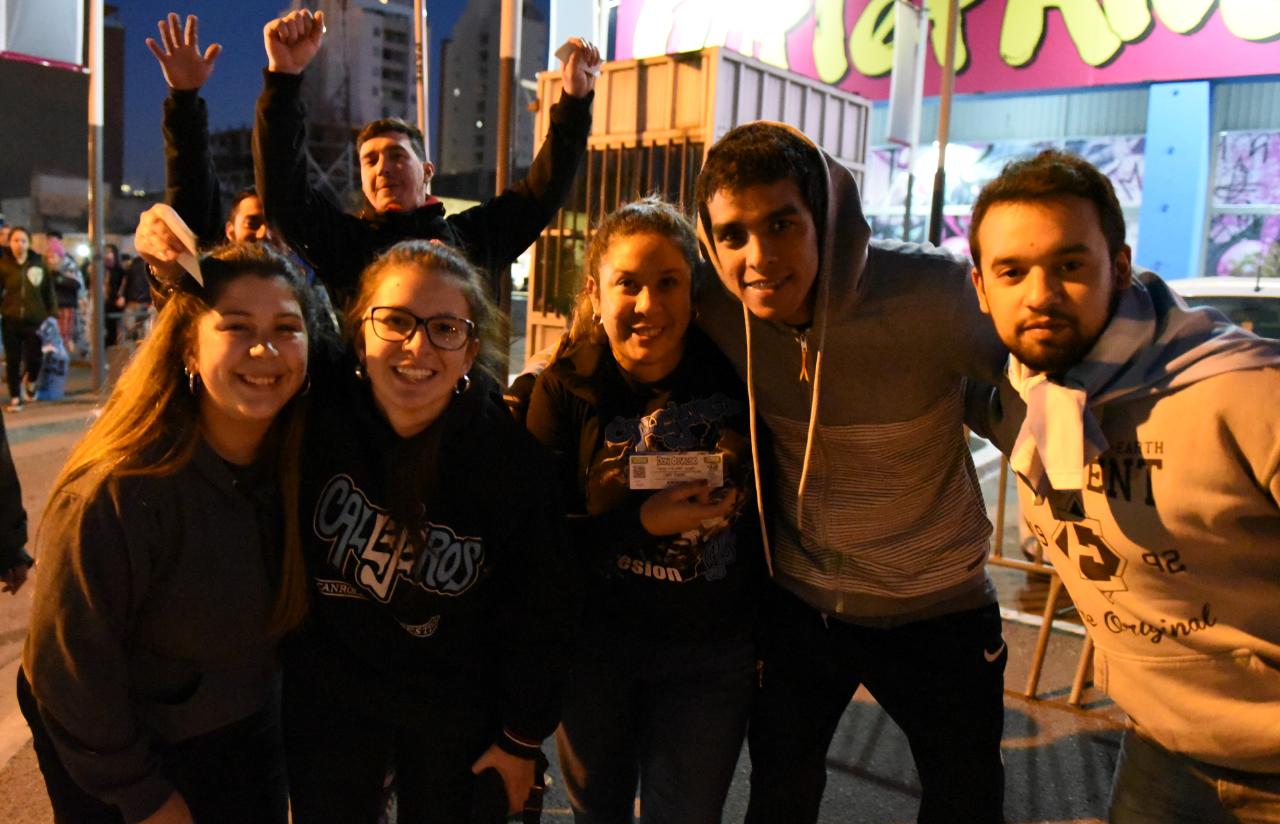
(854,352)
(1147,445)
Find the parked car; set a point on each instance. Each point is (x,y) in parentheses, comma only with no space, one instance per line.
(1250,302)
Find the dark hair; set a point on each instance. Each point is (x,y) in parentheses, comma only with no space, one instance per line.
(23,229)
(393,125)
(238,198)
(430,256)
(761,153)
(1051,174)
(648,216)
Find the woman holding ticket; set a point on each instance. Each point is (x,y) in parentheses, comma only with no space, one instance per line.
(648,422)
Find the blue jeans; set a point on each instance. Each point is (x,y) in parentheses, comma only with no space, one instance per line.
(669,717)
(941,680)
(1155,786)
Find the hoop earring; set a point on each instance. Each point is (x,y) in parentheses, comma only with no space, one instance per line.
(464,383)
(595,318)
(192,377)
(306,385)
(360,374)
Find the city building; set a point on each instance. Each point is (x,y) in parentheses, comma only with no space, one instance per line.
(364,72)
(469,99)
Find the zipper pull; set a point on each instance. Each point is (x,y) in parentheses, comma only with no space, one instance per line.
(804,356)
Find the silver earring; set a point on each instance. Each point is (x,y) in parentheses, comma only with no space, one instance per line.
(360,375)
(306,385)
(464,383)
(192,377)
(595,318)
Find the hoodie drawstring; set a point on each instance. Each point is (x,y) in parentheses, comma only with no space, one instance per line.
(803,337)
(809,438)
(755,444)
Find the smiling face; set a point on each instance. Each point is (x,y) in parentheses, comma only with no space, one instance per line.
(767,247)
(644,297)
(413,380)
(392,176)
(1047,279)
(250,352)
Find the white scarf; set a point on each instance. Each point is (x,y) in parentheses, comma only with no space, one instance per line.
(1152,344)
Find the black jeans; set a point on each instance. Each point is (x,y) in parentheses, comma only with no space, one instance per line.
(339,745)
(235,773)
(941,680)
(21,349)
(670,717)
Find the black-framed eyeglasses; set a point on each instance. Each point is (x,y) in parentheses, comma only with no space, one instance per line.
(396,325)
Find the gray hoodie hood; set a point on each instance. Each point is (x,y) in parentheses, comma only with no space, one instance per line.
(866,402)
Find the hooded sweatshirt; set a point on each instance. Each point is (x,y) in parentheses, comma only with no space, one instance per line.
(1169,545)
(877,517)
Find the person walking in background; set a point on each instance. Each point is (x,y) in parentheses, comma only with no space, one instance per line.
(67,287)
(663,668)
(113,302)
(29,299)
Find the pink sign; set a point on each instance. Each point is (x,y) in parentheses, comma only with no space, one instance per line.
(1003,45)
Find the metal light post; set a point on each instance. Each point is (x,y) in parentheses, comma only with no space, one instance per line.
(944,123)
(96,211)
(421,70)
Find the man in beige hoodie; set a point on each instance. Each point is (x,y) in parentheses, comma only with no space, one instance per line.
(1147,441)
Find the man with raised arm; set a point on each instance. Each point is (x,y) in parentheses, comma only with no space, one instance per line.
(394,171)
(1146,439)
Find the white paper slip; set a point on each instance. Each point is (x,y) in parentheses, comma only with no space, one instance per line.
(188,260)
(659,470)
(562,54)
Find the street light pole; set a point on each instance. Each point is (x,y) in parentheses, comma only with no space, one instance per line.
(421,71)
(96,211)
(944,124)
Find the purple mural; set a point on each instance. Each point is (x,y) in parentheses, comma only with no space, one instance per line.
(970,166)
(1245,222)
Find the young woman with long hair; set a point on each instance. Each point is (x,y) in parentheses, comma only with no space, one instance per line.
(170,564)
(649,423)
(431,534)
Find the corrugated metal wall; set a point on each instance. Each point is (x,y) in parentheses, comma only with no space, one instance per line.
(1244,105)
(1030,117)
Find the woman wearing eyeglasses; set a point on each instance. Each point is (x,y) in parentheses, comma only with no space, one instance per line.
(431,536)
(431,533)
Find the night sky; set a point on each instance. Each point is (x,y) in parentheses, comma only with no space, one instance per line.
(237,77)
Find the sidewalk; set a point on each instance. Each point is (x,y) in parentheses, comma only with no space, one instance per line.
(1058,759)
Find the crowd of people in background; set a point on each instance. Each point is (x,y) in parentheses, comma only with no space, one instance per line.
(306,554)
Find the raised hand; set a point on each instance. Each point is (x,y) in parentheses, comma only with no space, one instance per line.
(159,246)
(684,507)
(293,40)
(579,71)
(178,53)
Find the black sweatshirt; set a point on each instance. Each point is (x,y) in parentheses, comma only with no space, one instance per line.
(191,182)
(338,246)
(481,614)
(595,417)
